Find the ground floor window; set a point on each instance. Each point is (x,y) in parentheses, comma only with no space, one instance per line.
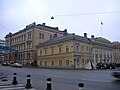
(45,63)
(40,63)
(28,55)
(60,62)
(52,63)
(67,63)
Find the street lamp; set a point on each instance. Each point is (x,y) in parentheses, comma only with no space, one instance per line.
(52,17)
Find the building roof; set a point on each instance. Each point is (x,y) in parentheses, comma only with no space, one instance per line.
(33,25)
(97,41)
(116,44)
(65,38)
(101,39)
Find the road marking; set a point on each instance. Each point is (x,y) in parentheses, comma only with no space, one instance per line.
(13,88)
(95,80)
(7,86)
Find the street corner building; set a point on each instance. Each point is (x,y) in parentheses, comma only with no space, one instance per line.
(73,51)
(24,42)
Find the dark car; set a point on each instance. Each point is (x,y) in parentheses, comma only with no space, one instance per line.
(6,64)
(116,73)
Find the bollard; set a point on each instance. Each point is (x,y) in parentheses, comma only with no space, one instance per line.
(48,84)
(81,86)
(28,85)
(14,79)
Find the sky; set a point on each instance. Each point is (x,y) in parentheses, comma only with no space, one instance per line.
(77,16)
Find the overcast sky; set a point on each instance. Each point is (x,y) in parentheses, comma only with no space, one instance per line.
(77,16)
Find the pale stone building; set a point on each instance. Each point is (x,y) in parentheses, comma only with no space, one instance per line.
(24,41)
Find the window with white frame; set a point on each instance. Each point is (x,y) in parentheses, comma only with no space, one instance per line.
(67,49)
(60,62)
(67,62)
(59,49)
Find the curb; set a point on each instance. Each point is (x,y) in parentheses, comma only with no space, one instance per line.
(2,75)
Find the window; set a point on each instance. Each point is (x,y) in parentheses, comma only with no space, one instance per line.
(28,55)
(23,56)
(60,49)
(45,63)
(29,45)
(67,63)
(24,45)
(24,37)
(87,48)
(40,53)
(17,39)
(52,63)
(42,36)
(45,51)
(39,35)
(67,49)
(96,56)
(60,62)
(82,48)
(100,56)
(29,35)
(77,48)
(52,50)
(40,63)
(50,36)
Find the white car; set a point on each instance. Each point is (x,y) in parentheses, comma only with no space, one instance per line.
(17,65)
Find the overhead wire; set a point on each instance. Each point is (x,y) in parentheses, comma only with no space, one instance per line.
(4,27)
(94,13)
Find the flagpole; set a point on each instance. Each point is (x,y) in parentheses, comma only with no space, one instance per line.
(101,29)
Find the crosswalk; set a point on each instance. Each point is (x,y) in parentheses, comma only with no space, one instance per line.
(12,87)
(8,86)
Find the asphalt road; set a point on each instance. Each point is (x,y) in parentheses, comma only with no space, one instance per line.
(64,79)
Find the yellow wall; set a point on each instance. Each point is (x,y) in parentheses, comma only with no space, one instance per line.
(71,55)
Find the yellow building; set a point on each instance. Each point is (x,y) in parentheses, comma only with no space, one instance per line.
(68,51)
(24,42)
(73,51)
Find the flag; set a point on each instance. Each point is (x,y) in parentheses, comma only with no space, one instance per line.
(101,23)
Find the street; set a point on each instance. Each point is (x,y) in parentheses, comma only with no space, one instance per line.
(64,79)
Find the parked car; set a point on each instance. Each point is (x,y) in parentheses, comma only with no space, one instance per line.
(105,66)
(17,65)
(6,64)
(116,73)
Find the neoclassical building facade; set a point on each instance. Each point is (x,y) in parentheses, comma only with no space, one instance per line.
(73,51)
(49,47)
(24,42)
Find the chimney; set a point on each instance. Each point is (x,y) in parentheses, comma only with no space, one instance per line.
(85,35)
(92,36)
(43,24)
(55,35)
(73,34)
(57,28)
(65,32)
(34,23)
